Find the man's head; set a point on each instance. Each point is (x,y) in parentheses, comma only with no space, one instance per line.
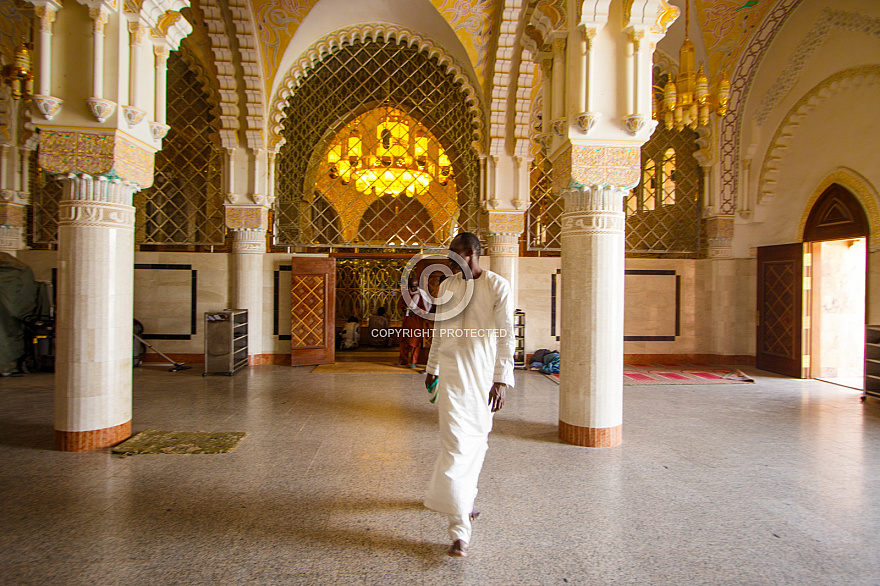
(467,246)
(413,284)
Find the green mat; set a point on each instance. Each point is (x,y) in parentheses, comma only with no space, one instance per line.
(153,441)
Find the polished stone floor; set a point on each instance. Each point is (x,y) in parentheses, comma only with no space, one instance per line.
(776,482)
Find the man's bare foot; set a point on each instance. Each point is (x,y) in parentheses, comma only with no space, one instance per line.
(458,549)
(475,515)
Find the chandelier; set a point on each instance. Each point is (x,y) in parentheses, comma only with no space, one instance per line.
(18,75)
(686,101)
(396,161)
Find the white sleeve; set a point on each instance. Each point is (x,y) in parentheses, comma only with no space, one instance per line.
(505,342)
(428,304)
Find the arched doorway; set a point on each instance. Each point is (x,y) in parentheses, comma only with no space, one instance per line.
(835,240)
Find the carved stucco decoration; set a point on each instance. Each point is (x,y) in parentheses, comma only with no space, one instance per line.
(325,46)
(246,217)
(96,153)
(502,85)
(224,61)
(867,75)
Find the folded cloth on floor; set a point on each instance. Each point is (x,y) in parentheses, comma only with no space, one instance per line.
(551,363)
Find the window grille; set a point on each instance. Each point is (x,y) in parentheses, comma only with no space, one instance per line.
(185,204)
(46,191)
(545,209)
(363,285)
(378,153)
(663,211)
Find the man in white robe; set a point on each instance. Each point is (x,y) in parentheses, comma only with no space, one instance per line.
(472,355)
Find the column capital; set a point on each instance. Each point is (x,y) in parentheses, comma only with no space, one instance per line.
(719,236)
(101,16)
(594,198)
(46,12)
(595,164)
(12,215)
(11,239)
(502,244)
(160,50)
(112,155)
(247,241)
(99,190)
(247,218)
(559,47)
(138,32)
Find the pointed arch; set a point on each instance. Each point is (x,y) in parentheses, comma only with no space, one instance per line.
(858,186)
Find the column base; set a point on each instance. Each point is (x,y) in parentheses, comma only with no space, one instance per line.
(590,437)
(95,439)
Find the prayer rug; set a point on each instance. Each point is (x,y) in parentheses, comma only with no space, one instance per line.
(153,441)
(678,374)
(362,368)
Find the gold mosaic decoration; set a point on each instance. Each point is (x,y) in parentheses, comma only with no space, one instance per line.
(246,217)
(506,222)
(96,153)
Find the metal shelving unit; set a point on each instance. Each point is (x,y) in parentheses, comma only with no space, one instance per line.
(519,333)
(872,362)
(226,341)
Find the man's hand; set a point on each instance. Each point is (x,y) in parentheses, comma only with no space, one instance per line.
(429,378)
(496,396)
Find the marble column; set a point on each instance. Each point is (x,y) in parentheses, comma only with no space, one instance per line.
(595,167)
(248,224)
(94,316)
(591,376)
(248,248)
(503,249)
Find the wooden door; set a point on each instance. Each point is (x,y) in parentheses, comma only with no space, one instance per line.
(780,296)
(313,311)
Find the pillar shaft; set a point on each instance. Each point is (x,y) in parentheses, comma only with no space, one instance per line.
(46,14)
(248,249)
(591,377)
(503,248)
(94,317)
(100,17)
(559,73)
(138,34)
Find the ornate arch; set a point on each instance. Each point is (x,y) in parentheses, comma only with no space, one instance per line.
(502,81)
(740,83)
(363,33)
(864,191)
(830,86)
(215,23)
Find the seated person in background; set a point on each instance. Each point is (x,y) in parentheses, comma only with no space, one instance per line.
(351,334)
(378,325)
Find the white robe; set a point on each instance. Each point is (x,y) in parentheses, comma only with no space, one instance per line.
(467,365)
